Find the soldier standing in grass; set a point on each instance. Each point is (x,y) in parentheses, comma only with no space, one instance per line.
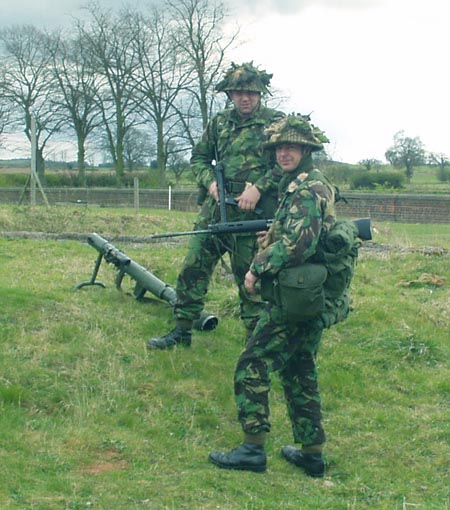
(282,343)
(235,138)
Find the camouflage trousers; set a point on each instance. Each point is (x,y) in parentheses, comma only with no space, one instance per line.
(203,254)
(290,350)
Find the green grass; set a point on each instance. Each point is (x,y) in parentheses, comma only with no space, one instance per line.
(412,235)
(89,419)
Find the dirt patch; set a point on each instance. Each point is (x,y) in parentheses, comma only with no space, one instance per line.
(109,463)
(104,466)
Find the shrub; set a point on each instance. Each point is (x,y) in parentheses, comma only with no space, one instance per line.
(374,180)
(17,180)
(443,174)
(94,179)
(337,172)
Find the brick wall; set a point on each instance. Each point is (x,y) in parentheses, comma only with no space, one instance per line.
(403,208)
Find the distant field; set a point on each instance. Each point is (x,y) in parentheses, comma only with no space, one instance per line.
(12,170)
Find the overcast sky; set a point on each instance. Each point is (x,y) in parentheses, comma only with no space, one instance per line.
(365,69)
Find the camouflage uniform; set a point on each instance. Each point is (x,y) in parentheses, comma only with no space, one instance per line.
(307,208)
(239,148)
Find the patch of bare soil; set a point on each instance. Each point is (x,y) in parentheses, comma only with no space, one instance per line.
(108,463)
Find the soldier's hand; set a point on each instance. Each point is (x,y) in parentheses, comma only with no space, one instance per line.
(248,199)
(261,237)
(249,282)
(213,191)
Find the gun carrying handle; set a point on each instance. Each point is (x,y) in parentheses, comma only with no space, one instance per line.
(119,277)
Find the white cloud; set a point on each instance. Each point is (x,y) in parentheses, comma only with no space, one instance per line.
(366,69)
(260,7)
(364,73)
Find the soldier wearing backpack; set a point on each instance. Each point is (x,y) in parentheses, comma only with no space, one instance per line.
(291,268)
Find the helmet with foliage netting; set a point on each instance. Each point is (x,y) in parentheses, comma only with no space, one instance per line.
(244,77)
(297,129)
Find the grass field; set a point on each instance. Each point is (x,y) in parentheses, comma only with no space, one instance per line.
(90,419)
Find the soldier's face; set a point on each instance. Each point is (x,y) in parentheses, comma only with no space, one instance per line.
(246,102)
(289,156)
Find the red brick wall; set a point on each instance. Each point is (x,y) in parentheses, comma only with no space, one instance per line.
(403,208)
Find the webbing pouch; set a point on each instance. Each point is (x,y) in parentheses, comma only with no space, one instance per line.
(298,291)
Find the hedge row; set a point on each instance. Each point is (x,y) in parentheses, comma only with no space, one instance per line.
(374,180)
(69,179)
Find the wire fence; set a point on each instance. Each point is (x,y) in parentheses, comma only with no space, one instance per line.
(403,208)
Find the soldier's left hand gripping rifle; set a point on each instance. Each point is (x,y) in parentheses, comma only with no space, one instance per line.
(145,280)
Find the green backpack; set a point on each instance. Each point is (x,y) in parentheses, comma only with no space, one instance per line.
(338,252)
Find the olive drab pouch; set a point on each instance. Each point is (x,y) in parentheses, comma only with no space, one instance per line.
(298,291)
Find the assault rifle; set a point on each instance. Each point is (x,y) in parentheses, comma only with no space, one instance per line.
(224,198)
(222,190)
(145,280)
(238,227)
(231,227)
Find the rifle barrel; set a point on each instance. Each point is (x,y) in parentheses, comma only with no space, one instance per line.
(179,234)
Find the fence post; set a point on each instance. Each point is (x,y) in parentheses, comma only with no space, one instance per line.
(136,194)
(170,198)
(34,178)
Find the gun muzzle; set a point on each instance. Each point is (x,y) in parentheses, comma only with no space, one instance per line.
(364,228)
(206,322)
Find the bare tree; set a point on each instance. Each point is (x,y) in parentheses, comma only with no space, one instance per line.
(79,88)
(177,163)
(5,112)
(127,69)
(162,75)
(109,43)
(137,150)
(29,84)
(442,162)
(201,38)
(406,152)
(370,163)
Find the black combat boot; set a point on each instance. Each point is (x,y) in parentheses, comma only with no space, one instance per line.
(312,463)
(178,336)
(247,457)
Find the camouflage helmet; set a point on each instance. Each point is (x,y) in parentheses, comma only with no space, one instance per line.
(297,129)
(244,77)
